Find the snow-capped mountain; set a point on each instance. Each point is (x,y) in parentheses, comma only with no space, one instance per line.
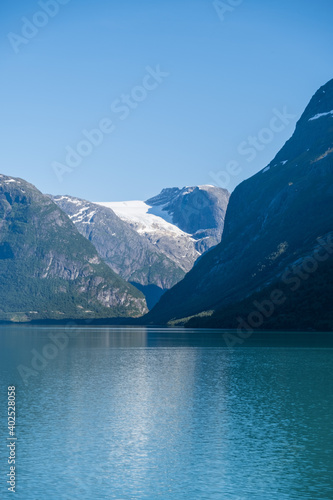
(150,243)
(181,223)
(163,235)
(128,253)
(199,211)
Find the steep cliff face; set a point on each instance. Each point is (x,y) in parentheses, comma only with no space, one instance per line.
(47,269)
(197,210)
(272,222)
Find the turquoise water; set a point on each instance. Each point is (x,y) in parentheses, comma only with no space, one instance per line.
(114,413)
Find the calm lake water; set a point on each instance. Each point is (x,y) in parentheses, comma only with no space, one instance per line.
(131,414)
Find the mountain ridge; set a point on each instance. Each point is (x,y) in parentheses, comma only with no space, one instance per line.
(272,219)
(47,269)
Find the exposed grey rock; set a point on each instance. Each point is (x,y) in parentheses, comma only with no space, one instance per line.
(130,255)
(154,253)
(199,211)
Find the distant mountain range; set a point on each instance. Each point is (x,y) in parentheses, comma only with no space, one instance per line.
(273,267)
(152,244)
(62,257)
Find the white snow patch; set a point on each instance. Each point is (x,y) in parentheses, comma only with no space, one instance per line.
(266,169)
(10,180)
(82,214)
(284,162)
(159,211)
(79,213)
(71,200)
(319,115)
(145,218)
(75,202)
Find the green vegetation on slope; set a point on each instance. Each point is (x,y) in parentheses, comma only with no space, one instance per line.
(47,269)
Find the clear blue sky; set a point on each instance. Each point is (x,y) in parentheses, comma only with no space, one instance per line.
(225,79)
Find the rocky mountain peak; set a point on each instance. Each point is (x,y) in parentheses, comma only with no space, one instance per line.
(197,210)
